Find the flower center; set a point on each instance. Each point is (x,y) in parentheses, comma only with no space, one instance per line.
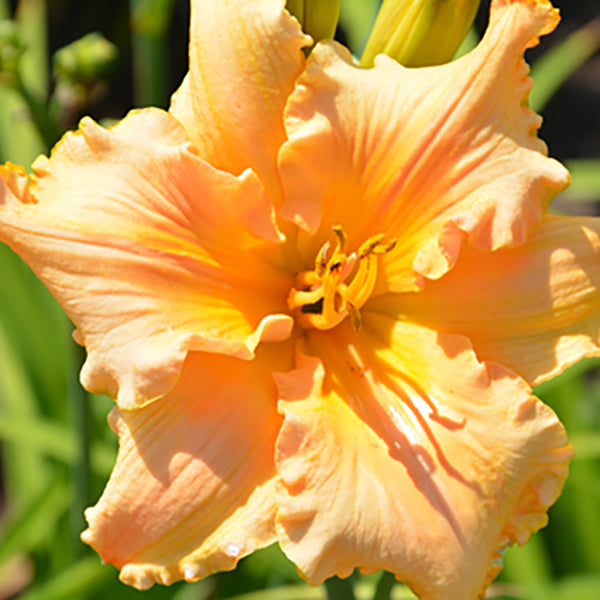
(339,285)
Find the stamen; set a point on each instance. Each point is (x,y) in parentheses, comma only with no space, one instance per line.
(385,249)
(369,246)
(324,297)
(321,260)
(340,234)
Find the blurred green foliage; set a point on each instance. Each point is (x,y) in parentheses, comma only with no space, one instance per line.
(56,448)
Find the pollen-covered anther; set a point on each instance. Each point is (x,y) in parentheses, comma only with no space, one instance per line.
(339,285)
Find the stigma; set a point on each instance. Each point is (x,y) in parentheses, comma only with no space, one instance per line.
(340,283)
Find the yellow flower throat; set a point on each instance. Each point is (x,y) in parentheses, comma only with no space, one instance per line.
(339,285)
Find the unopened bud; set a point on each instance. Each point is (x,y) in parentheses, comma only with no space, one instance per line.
(420,33)
(85,60)
(319,18)
(11,47)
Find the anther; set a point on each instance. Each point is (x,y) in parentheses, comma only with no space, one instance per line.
(321,260)
(384,249)
(340,234)
(369,246)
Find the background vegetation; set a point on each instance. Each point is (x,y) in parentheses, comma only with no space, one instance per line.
(56,450)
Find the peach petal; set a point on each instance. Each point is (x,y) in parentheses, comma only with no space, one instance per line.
(244,58)
(534,308)
(400,451)
(429,156)
(193,488)
(151,251)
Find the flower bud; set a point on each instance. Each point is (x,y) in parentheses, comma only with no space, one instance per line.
(84,60)
(11,47)
(318,18)
(419,33)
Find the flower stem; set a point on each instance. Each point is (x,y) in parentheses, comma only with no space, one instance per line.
(384,586)
(339,589)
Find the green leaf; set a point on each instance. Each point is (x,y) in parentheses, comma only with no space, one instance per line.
(35,522)
(290,592)
(585,183)
(86,575)
(340,589)
(552,69)
(32,17)
(384,587)
(363,591)
(586,445)
(201,590)
(24,468)
(37,330)
(53,440)
(41,435)
(579,587)
(575,519)
(149,23)
(529,563)
(20,141)
(4,9)
(151,17)
(34,77)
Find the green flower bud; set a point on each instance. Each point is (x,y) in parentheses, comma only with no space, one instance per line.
(318,18)
(85,60)
(11,47)
(419,33)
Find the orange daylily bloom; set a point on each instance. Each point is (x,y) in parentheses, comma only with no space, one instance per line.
(319,295)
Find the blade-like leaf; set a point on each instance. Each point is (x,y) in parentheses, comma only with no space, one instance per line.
(552,69)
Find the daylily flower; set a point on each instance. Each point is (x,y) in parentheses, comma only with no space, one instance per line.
(319,295)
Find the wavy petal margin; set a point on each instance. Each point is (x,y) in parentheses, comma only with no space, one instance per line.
(193,488)
(150,251)
(534,308)
(400,451)
(428,156)
(245,56)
